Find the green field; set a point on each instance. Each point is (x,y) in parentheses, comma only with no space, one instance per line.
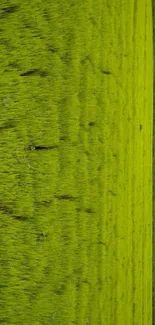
(76,212)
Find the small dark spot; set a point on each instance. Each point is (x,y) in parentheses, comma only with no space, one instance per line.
(91,123)
(89,210)
(86,281)
(77,285)
(100,139)
(60,290)
(41,237)
(62,138)
(52,50)
(106,72)
(87,153)
(140,127)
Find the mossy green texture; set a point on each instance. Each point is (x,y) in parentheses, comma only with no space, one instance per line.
(76,213)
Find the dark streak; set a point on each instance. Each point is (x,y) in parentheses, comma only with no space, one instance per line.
(45,147)
(6,126)
(9,10)
(20,218)
(140,127)
(34,72)
(9,211)
(41,147)
(3,286)
(63,138)
(106,72)
(5,209)
(66,197)
(26,25)
(13,65)
(58,292)
(133,309)
(28,73)
(44,203)
(4,320)
(102,243)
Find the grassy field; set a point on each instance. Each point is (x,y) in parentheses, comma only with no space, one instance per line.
(76,211)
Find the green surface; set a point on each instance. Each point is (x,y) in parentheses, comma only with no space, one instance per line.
(76,220)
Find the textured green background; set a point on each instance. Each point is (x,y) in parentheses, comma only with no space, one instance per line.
(153,7)
(76,220)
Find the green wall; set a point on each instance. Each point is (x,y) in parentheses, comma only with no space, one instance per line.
(76,213)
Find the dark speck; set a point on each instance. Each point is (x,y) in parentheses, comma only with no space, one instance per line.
(91,123)
(106,72)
